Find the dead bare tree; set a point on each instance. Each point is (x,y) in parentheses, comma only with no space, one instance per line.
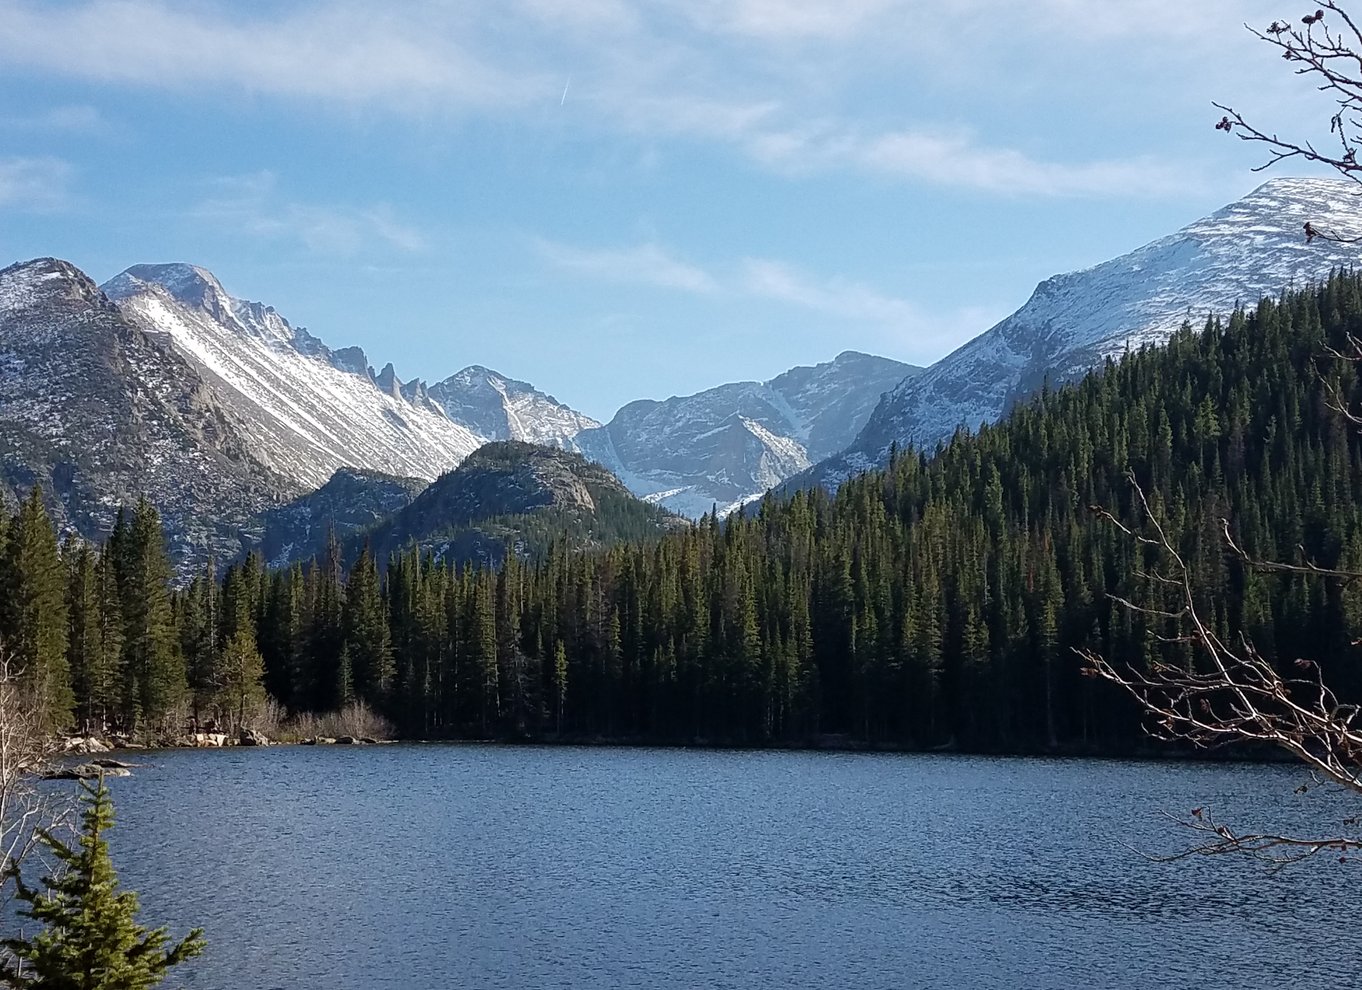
(1325,47)
(25,753)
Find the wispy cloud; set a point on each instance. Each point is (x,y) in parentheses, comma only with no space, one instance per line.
(839,297)
(68,118)
(956,159)
(644,264)
(780,20)
(952,24)
(34,184)
(716,71)
(899,323)
(342,53)
(252,204)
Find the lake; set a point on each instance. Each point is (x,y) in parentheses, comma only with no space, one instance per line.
(431,866)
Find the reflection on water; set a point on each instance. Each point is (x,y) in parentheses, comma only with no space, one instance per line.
(479,866)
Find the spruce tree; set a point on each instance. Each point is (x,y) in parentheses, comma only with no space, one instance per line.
(243,678)
(90,938)
(366,633)
(153,664)
(33,600)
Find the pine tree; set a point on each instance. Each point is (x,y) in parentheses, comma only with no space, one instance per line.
(153,664)
(90,939)
(33,600)
(85,652)
(243,678)
(367,636)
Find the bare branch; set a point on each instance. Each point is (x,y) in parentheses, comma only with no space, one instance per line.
(25,753)
(1235,696)
(1326,47)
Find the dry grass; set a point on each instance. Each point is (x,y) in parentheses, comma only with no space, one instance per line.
(356,719)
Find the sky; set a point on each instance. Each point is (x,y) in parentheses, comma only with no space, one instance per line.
(620,199)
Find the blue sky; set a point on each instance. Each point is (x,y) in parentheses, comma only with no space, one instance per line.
(617,199)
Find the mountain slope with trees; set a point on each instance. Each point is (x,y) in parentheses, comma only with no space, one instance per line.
(937,602)
(514,494)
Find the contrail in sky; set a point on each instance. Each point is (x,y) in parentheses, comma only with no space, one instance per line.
(565,89)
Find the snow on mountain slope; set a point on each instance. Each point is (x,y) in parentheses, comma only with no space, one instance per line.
(1072,322)
(98,414)
(307,410)
(499,408)
(729,444)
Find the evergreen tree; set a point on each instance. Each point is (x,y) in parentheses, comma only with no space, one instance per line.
(33,599)
(243,678)
(154,671)
(367,636)
(90,938)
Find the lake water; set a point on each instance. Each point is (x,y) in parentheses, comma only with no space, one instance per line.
(486,867)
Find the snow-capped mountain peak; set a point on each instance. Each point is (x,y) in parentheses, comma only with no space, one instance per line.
(30,284)
(729,444)
(501,408)
(1072,322)
(310,410)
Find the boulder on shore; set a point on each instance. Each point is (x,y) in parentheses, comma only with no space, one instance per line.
(252,737)
(87,771)
(84,746)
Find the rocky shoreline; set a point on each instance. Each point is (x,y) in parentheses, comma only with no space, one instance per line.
(75,746)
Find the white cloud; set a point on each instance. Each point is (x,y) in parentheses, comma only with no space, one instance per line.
(251,204)
(842,298)
(667,70)
(645,264)
(965,27)
(789,19)
(900,326)
(36,184)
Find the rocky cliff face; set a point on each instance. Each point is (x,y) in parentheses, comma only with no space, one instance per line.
(350,503)
(98,413)
(219,409)
(495,407)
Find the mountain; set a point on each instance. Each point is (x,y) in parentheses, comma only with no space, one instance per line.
(351,502)
(513,493)
(495,407)
(731,443)
(98,413)
(307,409)
(1249,249)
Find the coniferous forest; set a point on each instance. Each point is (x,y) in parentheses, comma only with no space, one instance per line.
(937,602)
